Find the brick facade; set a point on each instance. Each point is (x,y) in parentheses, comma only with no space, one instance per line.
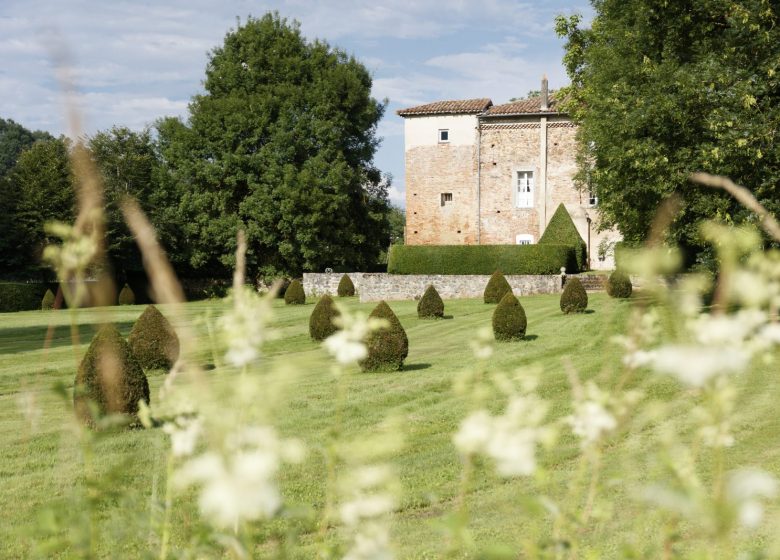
(479,168)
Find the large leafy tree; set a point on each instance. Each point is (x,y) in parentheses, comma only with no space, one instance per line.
(14,139)
(38,189)
(127,162)
(281,143)
(662,89)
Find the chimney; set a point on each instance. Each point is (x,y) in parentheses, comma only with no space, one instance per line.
(544,106)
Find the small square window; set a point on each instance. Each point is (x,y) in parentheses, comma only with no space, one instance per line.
(444,135)
(445,198)
(593,200)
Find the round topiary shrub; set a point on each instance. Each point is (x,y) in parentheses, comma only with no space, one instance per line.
(47,303)
(126,296)
(153,340)
(346,287)
(509,321)
(109,379)
(430,305)
(497,287)
(574,298)
(321,320)
(387,347)
(619,285)
(294,294)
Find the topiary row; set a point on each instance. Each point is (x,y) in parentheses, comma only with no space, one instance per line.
(111,379)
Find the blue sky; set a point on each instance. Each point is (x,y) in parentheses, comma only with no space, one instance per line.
(135,61)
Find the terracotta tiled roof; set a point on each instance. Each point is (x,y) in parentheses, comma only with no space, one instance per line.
(463,106)
(531,106)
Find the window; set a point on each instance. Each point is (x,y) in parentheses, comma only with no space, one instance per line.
(444,135)
(445,198)
(593,200)
(524,239)
(525,189)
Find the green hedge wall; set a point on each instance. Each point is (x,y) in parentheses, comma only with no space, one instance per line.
(21,297)
(481,259)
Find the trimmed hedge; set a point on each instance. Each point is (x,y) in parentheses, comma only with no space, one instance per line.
(562,231)
(153,340)
(321,320)
(497,287)
(430,305)
(481,259)
(294,294)
(574,298)
(21,297)
(47,303)
(108,391)
(387,347)
(346,287)
(619,285)
(509,320)
(126,296)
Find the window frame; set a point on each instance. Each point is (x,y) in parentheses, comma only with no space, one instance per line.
(527,196)
(524,239)
(445,197)
(445,131)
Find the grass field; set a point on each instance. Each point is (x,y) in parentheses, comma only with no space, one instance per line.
(41,463)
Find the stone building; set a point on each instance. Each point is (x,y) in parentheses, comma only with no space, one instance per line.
(478,173)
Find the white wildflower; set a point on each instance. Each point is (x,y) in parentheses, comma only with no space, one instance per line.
(474,433)
(30,410)
(746,488)
(509,439)
(239,484)
(184,432)
(371,543)
(482,344)
(347,345)
(590,421)
(696,365)
(243,327)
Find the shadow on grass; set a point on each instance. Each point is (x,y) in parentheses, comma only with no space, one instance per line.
(530,337)
(30,339)
(415,367)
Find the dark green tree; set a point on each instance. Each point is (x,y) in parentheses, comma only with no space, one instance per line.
(128,165)
(430,305)
(294,294)
(562,231)
(281,143)
(153,340)
(497,287)
(321,324)
(40,189)
(660,91)
(574,298)
(14,139)
(387,347)
(397,219)
(346,287)
(619,285)
(509,320)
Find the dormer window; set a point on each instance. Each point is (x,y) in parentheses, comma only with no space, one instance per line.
(444,136)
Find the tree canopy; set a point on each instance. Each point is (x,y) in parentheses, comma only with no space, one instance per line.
(660,90)
(281,143)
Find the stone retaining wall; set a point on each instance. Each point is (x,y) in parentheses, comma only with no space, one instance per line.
(379,286)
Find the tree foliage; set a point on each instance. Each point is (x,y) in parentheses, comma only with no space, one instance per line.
(294,294)
(509,320)
(660,92)
(321,324)
(430,305)
(562,231)
(574,298)
(387,347)
(619,285)
(346,287)
(153,340)
(497,287)
(280,143)
(38,189)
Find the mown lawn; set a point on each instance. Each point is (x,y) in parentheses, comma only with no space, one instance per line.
(41,463)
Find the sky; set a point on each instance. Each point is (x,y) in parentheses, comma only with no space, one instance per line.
(134,61)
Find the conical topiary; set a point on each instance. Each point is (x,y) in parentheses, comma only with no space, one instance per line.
(430,304)
(109,379)
(619,285)
(153,340)
(387,347)
(294,295)
(346,287)
(509,321)
(497,287)
(562,231)
(321,324)
(574,298)
(47,302)
(126,296)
